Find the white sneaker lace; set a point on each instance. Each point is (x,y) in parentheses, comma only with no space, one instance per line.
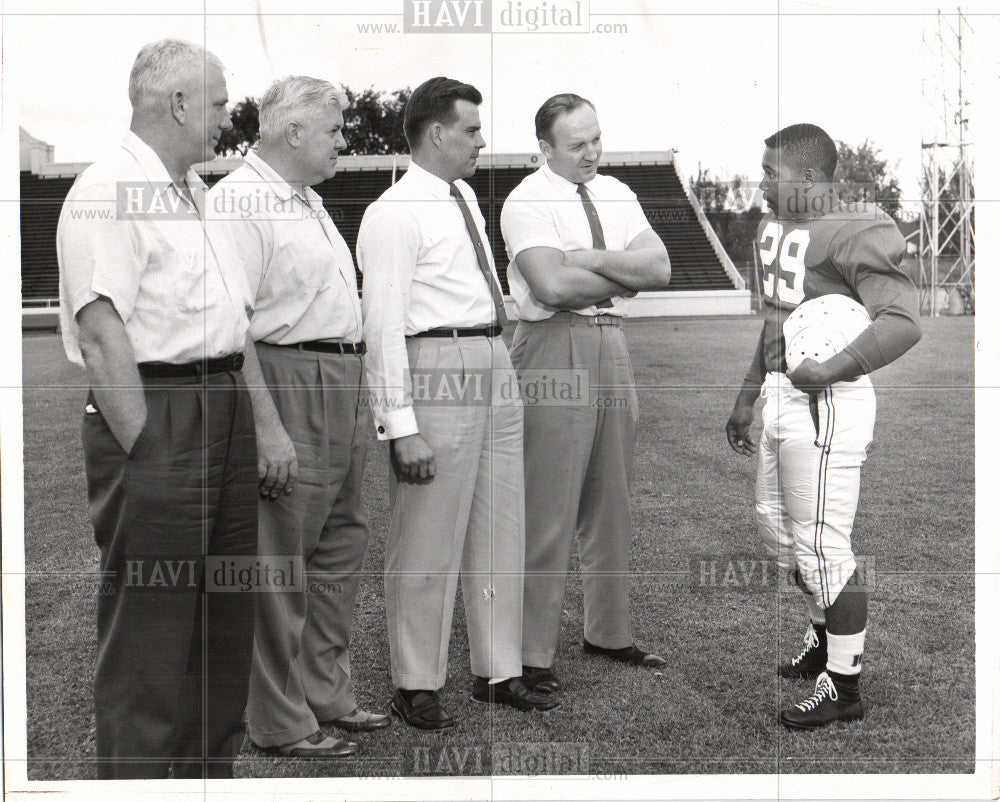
(824,689)
(811,641)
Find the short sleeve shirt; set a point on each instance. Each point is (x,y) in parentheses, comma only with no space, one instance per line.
(298,265)
(546,210)
(128,233)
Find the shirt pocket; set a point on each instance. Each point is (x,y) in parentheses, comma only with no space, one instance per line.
(189,282)
(308,263)
(174,278)
(442,228)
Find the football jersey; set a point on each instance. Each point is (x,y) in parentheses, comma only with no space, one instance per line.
(847,252)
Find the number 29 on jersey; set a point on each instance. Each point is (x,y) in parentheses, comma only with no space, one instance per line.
(783,256)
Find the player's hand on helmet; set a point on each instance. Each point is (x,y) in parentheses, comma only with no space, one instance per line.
(738,429)
(412,459)
(277,464)
(809,377)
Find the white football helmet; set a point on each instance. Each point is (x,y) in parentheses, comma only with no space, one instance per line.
(822,327)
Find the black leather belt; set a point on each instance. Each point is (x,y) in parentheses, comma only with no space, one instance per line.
(203,367)
(484,331)
(330,348)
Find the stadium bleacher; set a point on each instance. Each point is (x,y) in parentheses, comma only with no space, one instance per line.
(697,258)
(41,202)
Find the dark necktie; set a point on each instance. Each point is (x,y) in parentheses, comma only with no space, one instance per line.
(596,231)
(477,242)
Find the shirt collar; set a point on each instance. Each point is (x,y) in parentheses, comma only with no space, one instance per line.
(438,187)
(152,165)
(562,183)
(278,185)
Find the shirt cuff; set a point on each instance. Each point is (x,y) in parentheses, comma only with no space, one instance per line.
(80,299)
(395,424)
(636,234)
(122,307)
(866,365)
(537,242)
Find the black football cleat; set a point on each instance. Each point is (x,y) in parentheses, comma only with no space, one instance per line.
(823,707)
(811,662)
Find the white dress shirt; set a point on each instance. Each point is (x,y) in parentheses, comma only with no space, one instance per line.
(546,210)
(127,232)
(297,263)
(420,272)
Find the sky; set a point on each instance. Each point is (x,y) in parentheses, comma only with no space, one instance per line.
(710,84)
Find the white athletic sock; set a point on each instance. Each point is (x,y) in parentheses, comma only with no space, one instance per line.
(496,680)
(816,613)
(843,652)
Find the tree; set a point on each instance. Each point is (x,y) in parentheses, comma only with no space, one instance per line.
(732,206)
(245,131)
(863,176)
(736,194)
(373,124)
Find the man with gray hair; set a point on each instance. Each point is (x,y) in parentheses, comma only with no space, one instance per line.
(304,368)
(155,307)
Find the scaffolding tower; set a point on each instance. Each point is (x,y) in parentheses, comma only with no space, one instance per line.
(947,231)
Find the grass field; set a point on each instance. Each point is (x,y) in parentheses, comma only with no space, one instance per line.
(712,709)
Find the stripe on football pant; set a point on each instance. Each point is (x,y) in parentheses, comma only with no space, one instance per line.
(824,461)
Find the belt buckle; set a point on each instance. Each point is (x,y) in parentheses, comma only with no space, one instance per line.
(604,320)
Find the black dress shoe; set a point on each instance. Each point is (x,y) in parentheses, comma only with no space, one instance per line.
(313,747)
(513,693)
(422,711)
(360,721)
(630,654)
(539,679)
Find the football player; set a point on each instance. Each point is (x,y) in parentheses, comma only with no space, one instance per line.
(819,418)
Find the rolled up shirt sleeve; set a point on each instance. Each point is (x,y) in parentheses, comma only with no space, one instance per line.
(526,223)
(98,251)
(635,218)
(388,248)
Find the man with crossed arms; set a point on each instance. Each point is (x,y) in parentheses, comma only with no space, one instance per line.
(304,367)
(578,243)
(432,308)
